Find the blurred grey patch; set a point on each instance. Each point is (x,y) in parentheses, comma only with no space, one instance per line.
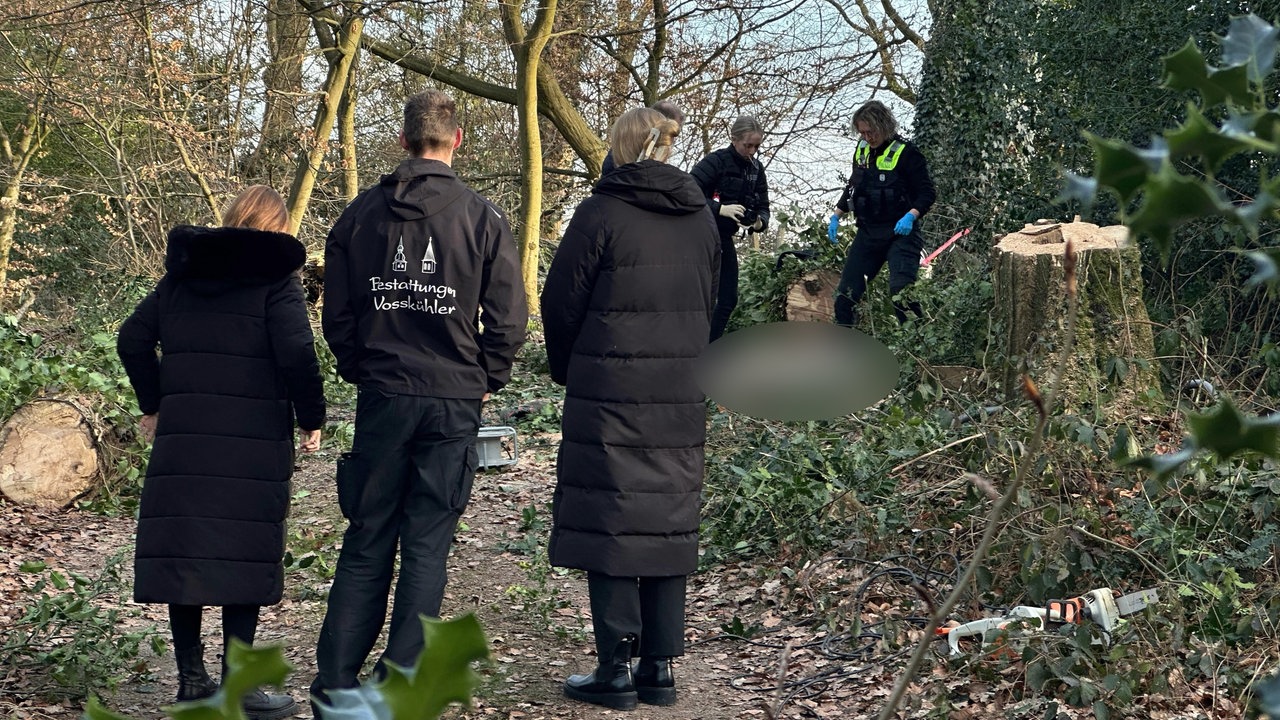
(797,371)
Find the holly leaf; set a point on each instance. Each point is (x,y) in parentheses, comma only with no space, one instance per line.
(361,703)
(1227,432)
(1122,167)
(1268,694)
(1251,43)
(94,710)
(1165,465)
(1198,137)
(1266,269)
(1259,130)
(1187,70)
(247,668)
(1081,189)
(1171,199)
(1262,208)
(443,672)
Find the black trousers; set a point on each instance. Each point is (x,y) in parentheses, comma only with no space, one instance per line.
(649,609)
(872,247)
(727,294)
(405,482)
(238,621)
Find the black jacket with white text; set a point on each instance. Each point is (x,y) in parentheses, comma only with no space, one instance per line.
(422,291)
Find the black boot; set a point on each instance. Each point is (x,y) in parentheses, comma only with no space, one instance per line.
(259,705)
(263,706)
(655,681)
(194,682)
(610,685)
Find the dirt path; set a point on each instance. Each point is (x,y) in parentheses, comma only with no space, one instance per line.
(537,622)
(536,618)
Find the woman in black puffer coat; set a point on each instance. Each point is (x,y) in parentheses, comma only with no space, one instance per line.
(238,364)
(626,308)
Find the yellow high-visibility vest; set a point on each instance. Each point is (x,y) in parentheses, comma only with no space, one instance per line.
(888,160)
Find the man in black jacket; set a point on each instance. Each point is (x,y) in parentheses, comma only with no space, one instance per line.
(413,267)
(889,190)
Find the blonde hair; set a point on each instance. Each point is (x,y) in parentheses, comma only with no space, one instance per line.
(642,134)
(258,207)
(743,126)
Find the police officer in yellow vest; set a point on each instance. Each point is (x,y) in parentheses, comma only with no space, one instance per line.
(888,191)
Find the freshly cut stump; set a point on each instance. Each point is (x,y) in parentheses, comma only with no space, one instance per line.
(48,455)
(811,298)
(1113,355)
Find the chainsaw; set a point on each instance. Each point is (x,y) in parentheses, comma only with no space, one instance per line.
(1099,606)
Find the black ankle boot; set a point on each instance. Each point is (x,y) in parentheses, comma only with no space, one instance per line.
(655,681)
(194,682)
(258,705)
(610,685)
(263,706)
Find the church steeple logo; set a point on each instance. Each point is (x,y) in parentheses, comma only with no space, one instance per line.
(429,258)
(400,264)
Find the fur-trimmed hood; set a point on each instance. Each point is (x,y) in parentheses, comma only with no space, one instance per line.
(238,255)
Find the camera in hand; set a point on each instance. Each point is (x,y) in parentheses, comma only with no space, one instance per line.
(749,217)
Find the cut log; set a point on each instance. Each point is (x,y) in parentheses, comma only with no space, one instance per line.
(1114,350)
(48,454)
(811,298)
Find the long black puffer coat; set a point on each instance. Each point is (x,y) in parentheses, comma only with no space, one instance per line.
(238,363)
(626,308)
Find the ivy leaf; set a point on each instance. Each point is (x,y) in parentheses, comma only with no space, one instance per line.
(1081,189)
(442,674)
(1122,167)
(1125,447)
(1227,432)
(1197,136)
(1170,200)
(1163,466)
(1251,43)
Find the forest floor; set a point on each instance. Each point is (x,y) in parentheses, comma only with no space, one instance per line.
(746,623)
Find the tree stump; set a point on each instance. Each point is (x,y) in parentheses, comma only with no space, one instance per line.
(1114,350)
(48,454)
(811,298)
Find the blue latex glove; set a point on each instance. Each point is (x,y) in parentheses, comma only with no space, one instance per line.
(904,225)
(833,228)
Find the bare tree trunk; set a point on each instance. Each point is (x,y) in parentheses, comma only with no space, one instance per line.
(340,57)
(31,135)
(527,46)
(347,134)
(286,44)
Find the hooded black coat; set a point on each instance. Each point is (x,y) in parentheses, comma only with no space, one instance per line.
(410,266)
(626,308)
(238,364)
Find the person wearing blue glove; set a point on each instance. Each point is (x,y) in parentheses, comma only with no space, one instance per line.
(889,190)
(904,225)
(733,181)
